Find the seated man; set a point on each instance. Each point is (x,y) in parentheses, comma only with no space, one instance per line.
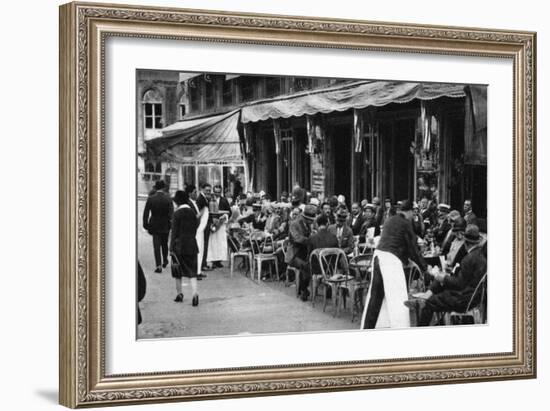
(355,219)
(454,292)
(442,226)
(456,251)
(369,221)
(343,233)
(257,218)
(297,252)
(322,239)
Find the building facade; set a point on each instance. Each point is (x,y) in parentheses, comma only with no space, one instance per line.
(358,138)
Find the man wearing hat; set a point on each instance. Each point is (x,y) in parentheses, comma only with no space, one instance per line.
(457,250)
(384,306)
(369,221)
(157,218)
(454,292)
(343,233)
(443,225)
(299,233)
(257,218)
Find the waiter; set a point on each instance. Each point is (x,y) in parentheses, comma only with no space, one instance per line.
(384,307)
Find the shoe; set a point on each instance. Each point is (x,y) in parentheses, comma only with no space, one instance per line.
(164,264)
(195,300)
(158,269)
(206,268)
(218,265)
(179,298)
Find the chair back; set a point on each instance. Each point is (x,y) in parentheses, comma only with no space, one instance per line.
(333,261)
(261,242)
(416,277)
(361,265)
(236,238)
(480,291)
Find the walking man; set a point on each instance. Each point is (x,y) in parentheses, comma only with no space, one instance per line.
(157,218)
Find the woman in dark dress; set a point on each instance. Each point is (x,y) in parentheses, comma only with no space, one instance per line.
(183,245)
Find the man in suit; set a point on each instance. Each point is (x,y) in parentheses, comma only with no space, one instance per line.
(157,217)
(454,292)
(443,225)
(343,233)
(369,221)
(257,218)
(299,233)
(321,239)
(469,215)
(355,220)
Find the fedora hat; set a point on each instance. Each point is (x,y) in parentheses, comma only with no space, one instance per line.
(471,234)
(310,212)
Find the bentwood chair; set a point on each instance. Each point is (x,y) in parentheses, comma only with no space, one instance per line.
(476,310)
(263,251)
(360,268)
(290,269)
(334,267)
(237,249)
(415,278)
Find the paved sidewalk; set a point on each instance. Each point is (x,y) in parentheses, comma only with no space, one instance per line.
(228,305)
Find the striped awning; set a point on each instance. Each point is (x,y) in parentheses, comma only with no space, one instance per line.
(356,95)
(207,139)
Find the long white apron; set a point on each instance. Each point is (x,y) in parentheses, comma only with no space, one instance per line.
(393,313)
(217,245)
(200,238)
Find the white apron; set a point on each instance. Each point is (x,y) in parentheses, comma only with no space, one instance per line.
(217,245)
(200,238)
(393,313)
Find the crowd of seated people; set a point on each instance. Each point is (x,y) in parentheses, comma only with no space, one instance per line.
(302,223)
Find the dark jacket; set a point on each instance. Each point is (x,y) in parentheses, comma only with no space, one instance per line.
(257,222)
(356,227)
(158,212)
(184,230)
(470,218)
(346,242)
(370,223)
(458,289)
(441,231)
(298,237)
(399,239)
(322,239)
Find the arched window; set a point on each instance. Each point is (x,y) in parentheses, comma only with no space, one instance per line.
(152,105)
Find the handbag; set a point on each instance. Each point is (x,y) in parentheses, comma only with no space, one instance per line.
(175,266)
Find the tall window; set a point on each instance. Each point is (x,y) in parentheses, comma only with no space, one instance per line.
(272,86)
(247,88)
(227,92)
(209,91)
(194,95)
(152,102)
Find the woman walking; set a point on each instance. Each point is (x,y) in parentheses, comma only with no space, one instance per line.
(183,246)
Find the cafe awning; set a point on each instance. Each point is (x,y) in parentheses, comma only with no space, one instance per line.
(202,140)
(357,95)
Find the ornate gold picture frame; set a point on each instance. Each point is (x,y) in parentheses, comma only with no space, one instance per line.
(84,29)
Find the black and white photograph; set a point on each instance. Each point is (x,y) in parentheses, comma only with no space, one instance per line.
(279,204)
